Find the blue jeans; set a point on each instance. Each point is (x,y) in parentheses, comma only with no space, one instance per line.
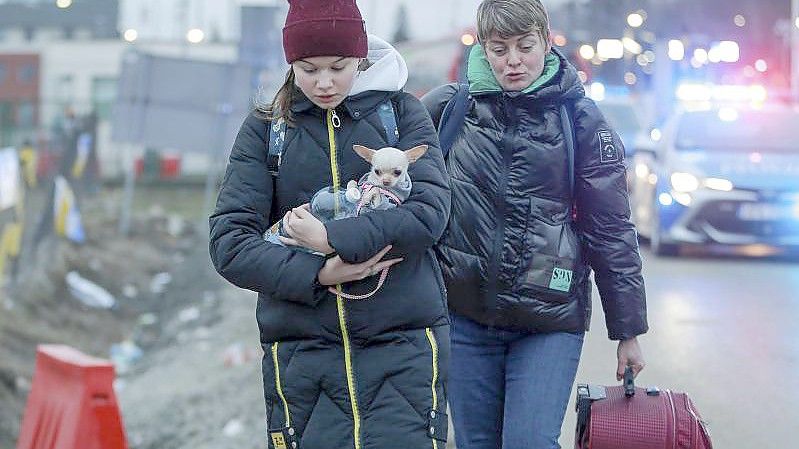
(509,390)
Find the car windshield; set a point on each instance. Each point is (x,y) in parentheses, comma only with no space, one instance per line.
(730,129)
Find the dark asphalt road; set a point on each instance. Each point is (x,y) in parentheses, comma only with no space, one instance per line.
(725,330)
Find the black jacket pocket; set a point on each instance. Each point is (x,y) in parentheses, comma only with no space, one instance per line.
(552,261)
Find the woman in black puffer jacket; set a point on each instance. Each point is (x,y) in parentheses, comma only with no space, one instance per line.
(340,373)
(539,201)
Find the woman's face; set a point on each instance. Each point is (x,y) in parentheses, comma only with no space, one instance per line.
(325,80)
(516,61)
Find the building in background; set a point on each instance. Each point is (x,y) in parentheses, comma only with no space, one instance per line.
(170,19)
(47,21)
(60,62)
(54,56)
(19,97)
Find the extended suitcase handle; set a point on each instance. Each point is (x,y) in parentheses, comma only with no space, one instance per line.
(629,382)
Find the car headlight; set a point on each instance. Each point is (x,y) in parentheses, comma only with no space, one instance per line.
(641,170)
(718,184)
(684,182)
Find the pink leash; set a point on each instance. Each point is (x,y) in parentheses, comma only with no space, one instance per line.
(383,276)
(367,187)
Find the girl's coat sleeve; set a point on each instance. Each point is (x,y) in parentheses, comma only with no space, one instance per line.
(238,250)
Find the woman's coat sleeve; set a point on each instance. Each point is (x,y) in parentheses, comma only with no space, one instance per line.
(603,217)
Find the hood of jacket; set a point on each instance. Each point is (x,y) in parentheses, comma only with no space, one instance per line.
(388,71)
(559,80)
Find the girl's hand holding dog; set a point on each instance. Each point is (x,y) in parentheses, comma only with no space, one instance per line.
(336,271)
(305,230)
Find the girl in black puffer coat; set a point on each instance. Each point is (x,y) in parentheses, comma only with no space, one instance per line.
(340,373)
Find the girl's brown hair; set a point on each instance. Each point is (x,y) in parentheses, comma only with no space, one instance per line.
(281,104)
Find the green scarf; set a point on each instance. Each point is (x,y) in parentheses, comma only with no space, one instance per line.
(482,79)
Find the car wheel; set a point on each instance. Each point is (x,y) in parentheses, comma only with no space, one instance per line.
(656,240)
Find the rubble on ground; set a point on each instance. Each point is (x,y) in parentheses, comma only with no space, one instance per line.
(112,297)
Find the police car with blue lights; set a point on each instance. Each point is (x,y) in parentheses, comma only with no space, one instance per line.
(726,176)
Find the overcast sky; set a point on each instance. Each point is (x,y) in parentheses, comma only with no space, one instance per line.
(428,19)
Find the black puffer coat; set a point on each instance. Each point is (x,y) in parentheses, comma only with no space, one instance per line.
(338,373)
(511,245)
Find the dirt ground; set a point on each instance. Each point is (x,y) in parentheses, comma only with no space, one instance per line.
(196,381)
(204,390)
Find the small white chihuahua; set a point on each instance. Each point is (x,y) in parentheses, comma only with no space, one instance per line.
(386,186)
(388,178)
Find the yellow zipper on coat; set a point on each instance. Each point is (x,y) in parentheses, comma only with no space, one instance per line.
(278,385)
(434,347)
(332,123)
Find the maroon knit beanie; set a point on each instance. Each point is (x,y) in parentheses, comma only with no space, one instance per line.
(323,28)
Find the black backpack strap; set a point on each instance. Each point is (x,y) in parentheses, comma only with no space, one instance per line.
(452,118)
(389,120)
(277,136)
(568,133)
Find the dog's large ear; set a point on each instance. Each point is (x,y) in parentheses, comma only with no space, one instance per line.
(415,153)
(366,153)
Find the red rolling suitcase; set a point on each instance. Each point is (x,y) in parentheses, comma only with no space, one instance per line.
(630,417)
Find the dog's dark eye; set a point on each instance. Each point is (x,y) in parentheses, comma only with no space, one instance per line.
(377,172)
(397,172)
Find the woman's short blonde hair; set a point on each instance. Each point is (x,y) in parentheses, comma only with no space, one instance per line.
(509,18)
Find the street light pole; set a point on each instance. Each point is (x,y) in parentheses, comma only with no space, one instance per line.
(183,20)
(795,49)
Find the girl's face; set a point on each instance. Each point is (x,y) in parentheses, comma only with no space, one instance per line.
(518,60)
(325,80)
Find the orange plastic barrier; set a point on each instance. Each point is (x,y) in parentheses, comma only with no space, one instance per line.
(72,404)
